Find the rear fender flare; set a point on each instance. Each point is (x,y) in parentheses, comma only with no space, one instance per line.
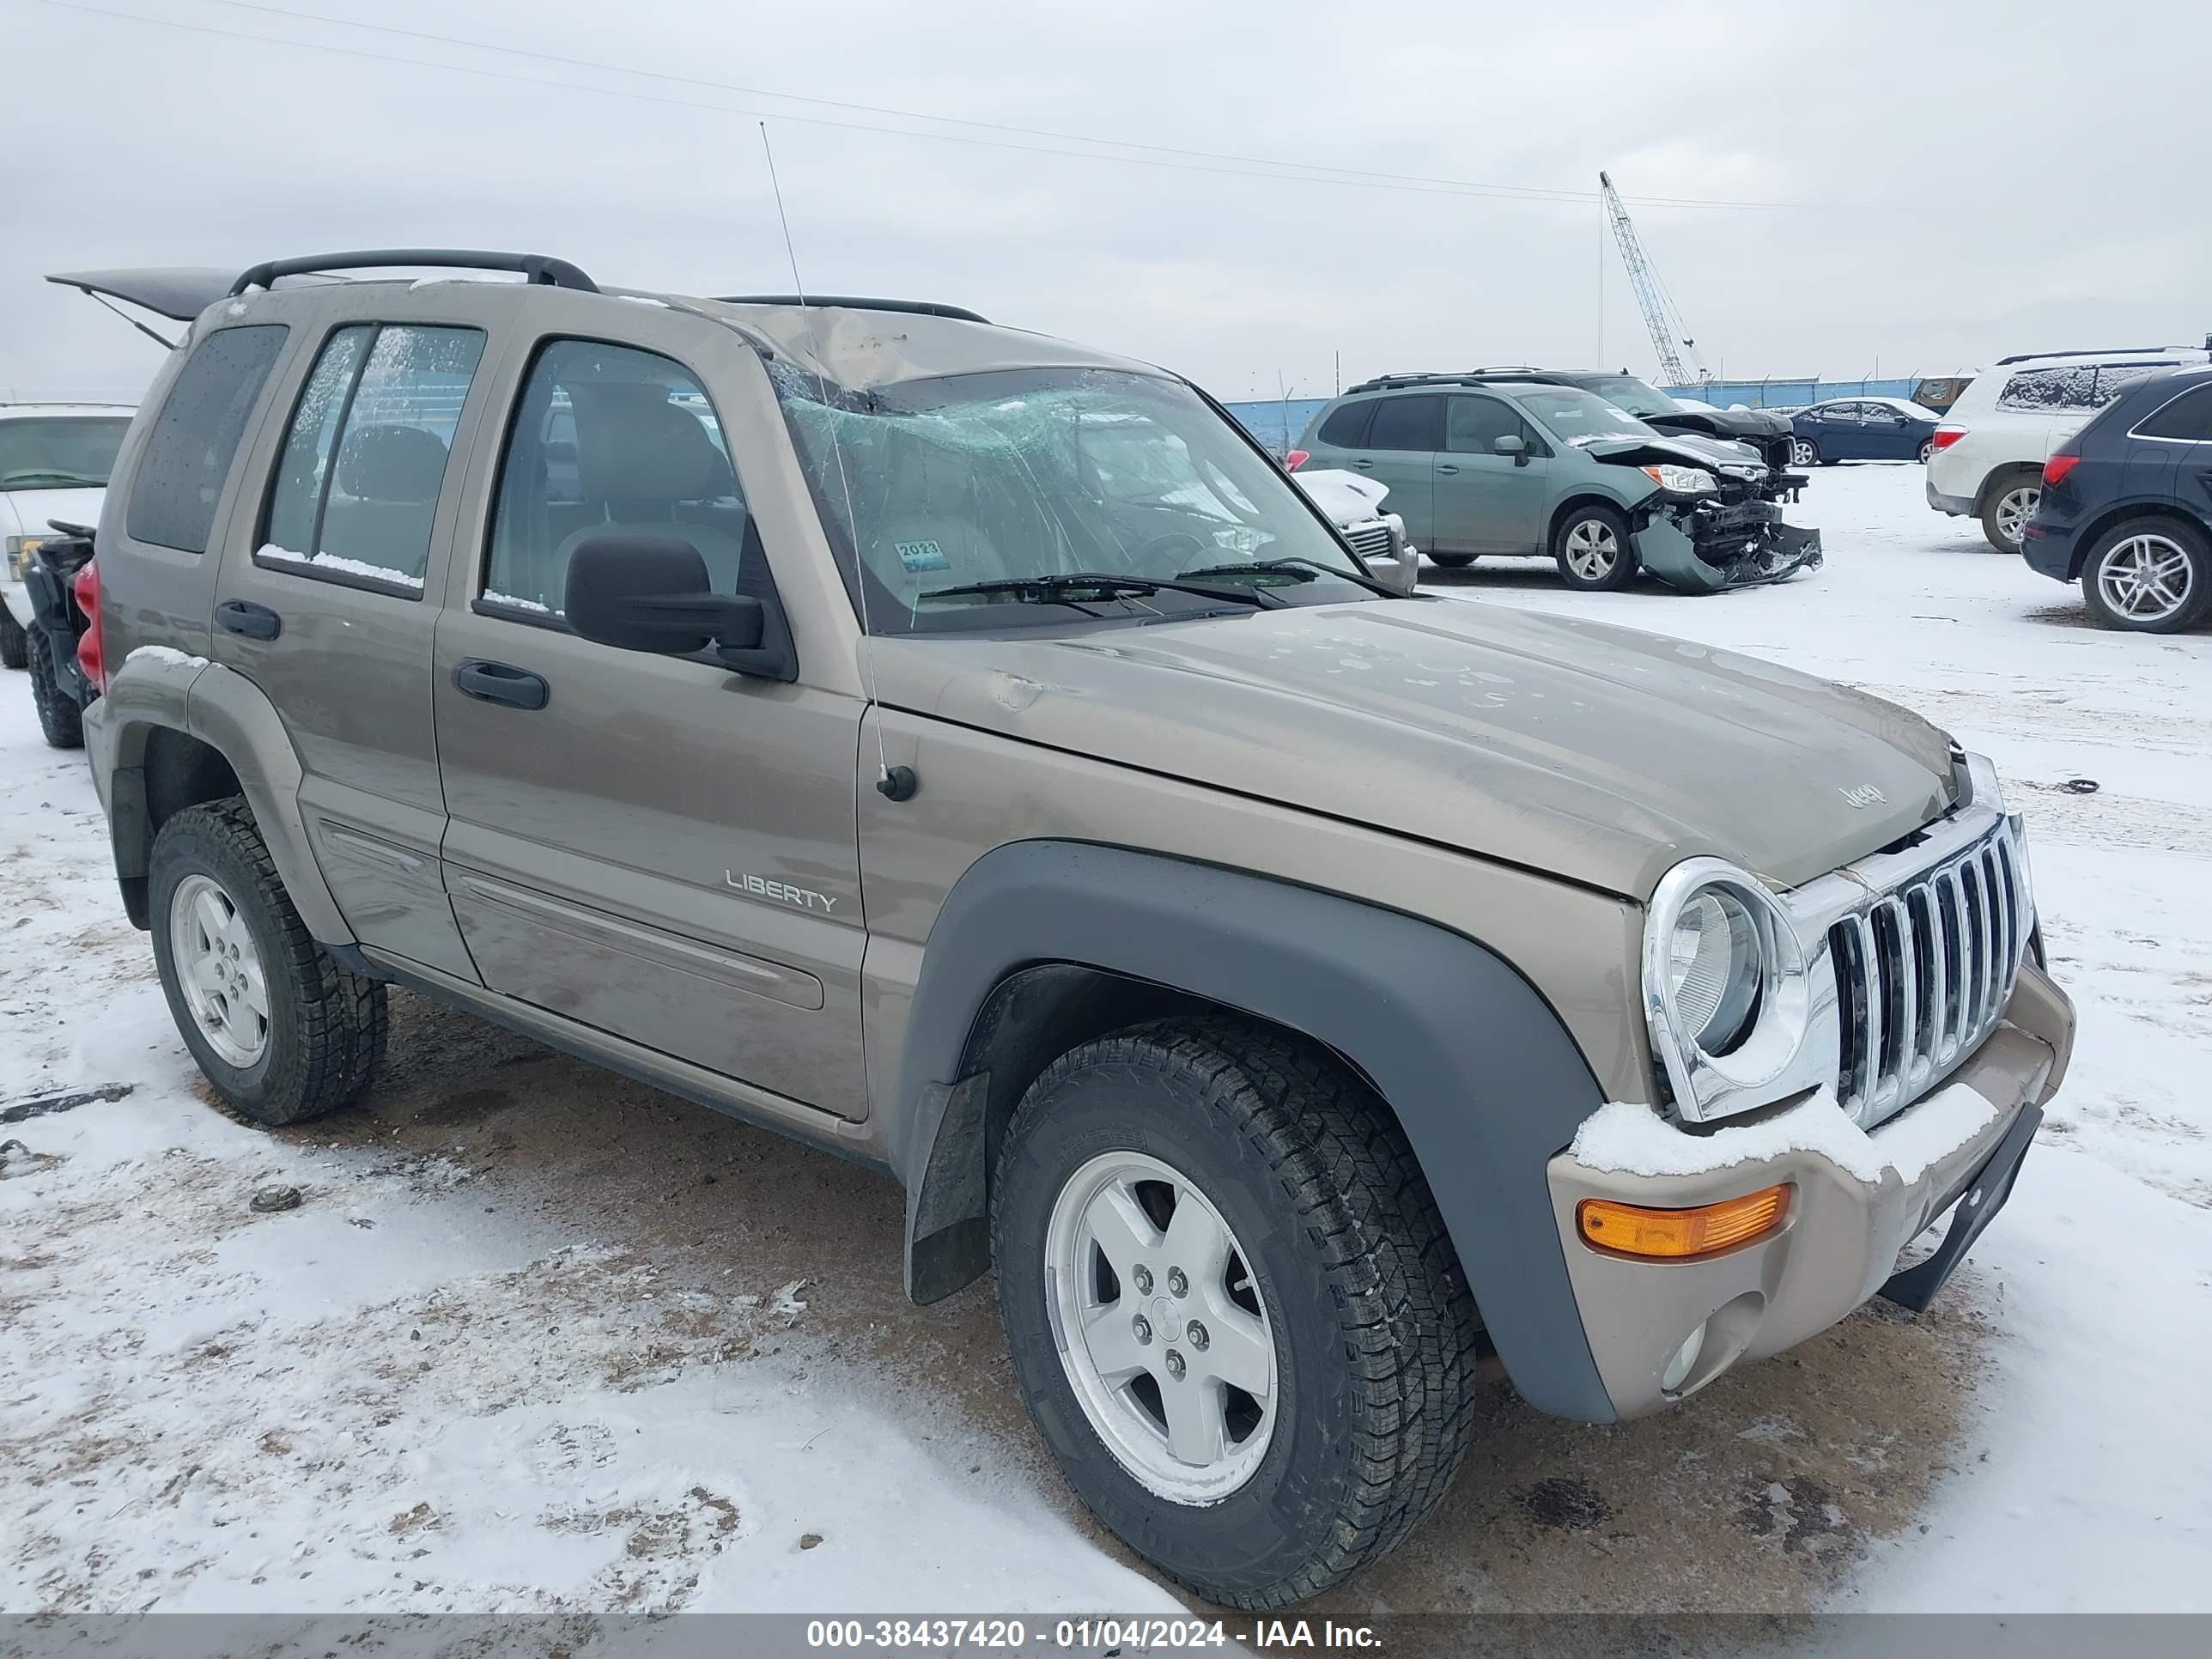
(1483,1078)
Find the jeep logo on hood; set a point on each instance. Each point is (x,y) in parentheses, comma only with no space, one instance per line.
(1863,795)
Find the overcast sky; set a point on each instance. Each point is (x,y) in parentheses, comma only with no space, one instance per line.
(1961,180)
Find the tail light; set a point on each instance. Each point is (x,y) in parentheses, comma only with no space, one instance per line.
(2056,468)
(1295,460)
(1945,436)
(84,588)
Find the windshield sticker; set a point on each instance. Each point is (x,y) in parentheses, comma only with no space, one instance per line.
(922,556)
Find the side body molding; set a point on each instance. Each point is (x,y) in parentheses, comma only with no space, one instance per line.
(1482,1076)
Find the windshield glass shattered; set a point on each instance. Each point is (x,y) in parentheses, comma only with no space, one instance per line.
(60,452)
(1626,392)
(1578,417)
(1007,479)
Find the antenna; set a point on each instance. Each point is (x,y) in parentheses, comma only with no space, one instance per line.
(893,783)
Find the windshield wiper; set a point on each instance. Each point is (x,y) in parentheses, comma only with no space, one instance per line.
(1303,568)
(1055,589)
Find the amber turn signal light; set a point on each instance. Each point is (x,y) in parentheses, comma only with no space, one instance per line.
(1682,1235)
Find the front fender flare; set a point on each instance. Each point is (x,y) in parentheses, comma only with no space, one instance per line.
(1485,1080)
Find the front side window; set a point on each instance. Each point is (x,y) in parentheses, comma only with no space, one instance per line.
(357,483)
(180,475)
(1580,417)
(1474,425)
(1026,476)
(51,452)
(608,438)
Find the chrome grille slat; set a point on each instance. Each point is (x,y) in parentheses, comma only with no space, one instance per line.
(1923,971)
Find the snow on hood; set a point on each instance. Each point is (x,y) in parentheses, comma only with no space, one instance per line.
(25,512)
(1598,754)
(1347,497)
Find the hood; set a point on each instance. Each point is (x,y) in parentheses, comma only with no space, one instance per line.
(25,512)
(1348,498)
(1685,446)
(1745,423)
(1596,754)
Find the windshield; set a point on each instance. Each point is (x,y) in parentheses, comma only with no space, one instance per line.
(1026,474)
(60,451)
(1578,416)
(1626,392)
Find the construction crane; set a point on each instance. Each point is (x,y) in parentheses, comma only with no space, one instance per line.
(1660,315)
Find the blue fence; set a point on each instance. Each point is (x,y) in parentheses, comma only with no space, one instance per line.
(1766,394)
(1276,422)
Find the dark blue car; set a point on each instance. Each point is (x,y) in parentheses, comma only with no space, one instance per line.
(1861,429)
(2126,508)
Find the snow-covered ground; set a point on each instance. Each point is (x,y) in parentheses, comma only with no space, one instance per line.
(535,1338)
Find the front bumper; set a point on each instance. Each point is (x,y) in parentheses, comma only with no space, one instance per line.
(1840,1242)
(1706,546)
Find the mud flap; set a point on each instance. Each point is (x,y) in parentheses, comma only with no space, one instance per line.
(1985,1195)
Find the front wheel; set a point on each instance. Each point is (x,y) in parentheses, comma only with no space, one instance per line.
(1591,546)
(1927,449)
(1233,1309)
(1452,561)
(2149,576)
(1803,451)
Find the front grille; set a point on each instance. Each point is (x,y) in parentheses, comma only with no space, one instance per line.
(1923,972)
(1370,541)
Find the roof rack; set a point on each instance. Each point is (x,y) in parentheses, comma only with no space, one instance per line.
(852,302)
(538,268)
(1468,376)
(2108,351)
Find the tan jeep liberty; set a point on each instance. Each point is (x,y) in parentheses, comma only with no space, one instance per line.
(968,752)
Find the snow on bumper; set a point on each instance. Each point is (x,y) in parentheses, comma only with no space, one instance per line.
(1707,545)
(1857,1198)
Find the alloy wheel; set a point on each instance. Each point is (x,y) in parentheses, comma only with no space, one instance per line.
(220,971)
(2014,507)
(1592,550)
(1161,1328)
(2146,578)
(1801,453)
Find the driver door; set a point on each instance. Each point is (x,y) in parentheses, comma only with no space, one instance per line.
(1487,503)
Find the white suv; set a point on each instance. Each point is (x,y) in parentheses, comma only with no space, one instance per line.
(1989,451)
(54,459)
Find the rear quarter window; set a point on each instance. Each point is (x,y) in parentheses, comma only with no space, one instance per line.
(2071,388)
(1346,427)
(2187,418)
(188,456)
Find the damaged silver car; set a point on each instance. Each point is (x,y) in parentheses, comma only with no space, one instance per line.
(1479,466)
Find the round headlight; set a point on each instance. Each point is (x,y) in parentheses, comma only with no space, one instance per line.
(1715,967)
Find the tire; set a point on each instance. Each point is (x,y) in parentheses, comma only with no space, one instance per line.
(1351,1289)
(2006,506)
(60,720)
(321,1034)
(15,644)
(2174,557)
(1803,451)
(1577,542)
(1927,448)
(1454,560)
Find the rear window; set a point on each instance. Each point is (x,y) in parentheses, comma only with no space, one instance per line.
(195,439)
(2072,388)
(2188,417)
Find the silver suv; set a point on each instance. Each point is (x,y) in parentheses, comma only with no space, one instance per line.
(965,750)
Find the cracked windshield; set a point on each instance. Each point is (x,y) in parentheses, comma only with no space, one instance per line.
(1032,495)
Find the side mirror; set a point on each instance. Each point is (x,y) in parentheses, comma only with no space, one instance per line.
(1514,445)
(644,592)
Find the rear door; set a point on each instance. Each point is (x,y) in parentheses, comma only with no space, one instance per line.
(1486,502)
(651,845)
(1401,447)
(330,590)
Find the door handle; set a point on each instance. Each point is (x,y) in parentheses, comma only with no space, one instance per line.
(1364,464)
(1449,470)
(499,682)
(255,622)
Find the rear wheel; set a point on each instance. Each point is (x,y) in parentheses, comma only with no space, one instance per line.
(60,719)
(14,647)
(282,1031)
(2149,576)
(1592,548)
(2007,506)
(1453,560)
(1233,1309)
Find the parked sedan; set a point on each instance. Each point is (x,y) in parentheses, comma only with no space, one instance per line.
(2126,506)
(1862,429)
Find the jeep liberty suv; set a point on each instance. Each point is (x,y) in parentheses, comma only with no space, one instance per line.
(967,752)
